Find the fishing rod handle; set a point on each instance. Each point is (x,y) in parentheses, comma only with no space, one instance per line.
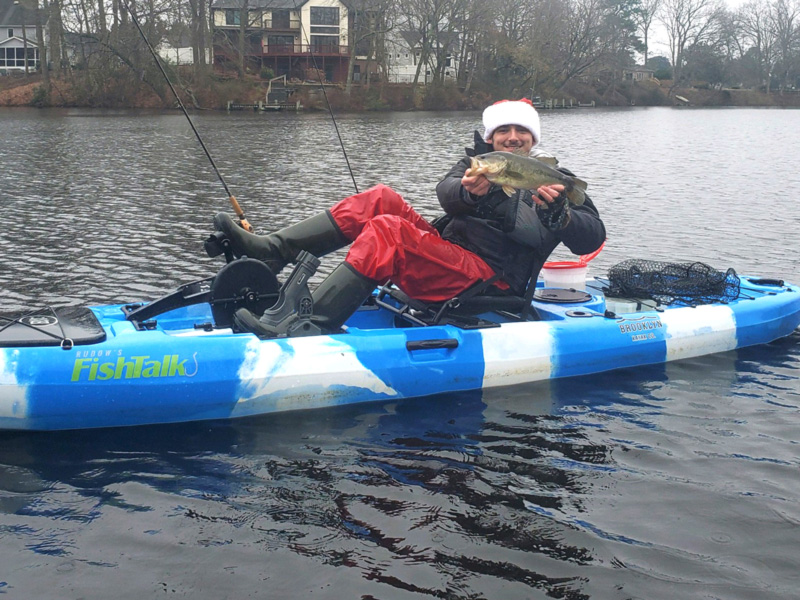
(240,213)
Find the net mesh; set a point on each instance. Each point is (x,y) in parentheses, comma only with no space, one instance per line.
(672,283)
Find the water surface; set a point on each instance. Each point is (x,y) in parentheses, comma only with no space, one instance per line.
(675,481)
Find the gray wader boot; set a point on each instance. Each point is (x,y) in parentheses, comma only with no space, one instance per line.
(318,235)
(336,298)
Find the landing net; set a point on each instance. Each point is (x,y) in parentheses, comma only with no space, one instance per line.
(672,283)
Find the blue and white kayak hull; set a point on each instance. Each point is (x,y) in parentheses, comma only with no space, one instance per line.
(182,369)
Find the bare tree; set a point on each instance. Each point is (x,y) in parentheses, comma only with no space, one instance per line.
(689,22)
(431,27)
(517,43)
(41,13)
(371,21)
(517,50)
(109,54)
(583,43)
(785,21)
(472,35)
(755,24)
(244,17)
(645,14)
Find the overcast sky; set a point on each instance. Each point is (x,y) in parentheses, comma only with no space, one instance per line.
(658,43)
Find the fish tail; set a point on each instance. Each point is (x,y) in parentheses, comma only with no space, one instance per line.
(577,191)
(576,195)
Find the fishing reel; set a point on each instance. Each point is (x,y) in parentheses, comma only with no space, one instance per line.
(240,283)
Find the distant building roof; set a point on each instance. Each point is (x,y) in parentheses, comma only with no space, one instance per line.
(14,15)
(414,39)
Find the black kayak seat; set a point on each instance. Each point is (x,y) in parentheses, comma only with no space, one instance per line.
(66,327)
(462,312)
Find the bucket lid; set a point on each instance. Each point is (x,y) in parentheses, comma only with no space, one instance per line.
(562,296)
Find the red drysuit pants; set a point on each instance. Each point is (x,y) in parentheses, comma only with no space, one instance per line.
(391,241)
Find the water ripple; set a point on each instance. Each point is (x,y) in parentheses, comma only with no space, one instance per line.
(674,481)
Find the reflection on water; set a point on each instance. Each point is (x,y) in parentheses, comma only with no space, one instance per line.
(642,479)
(674,481)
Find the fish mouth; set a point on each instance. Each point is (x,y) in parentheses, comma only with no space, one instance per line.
(477,167)
(483,167)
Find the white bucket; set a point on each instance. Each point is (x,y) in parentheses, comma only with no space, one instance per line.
(565,274)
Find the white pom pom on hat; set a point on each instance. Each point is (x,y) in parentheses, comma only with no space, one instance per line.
(511,112)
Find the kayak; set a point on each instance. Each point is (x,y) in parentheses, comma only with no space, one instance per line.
(179,358)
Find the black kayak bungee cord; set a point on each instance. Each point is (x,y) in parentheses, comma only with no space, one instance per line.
(234,203)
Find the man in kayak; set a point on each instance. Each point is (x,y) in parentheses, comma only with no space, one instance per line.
(486,235)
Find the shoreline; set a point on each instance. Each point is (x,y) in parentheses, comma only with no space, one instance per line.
(26,92)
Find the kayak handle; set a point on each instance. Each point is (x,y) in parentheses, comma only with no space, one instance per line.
(431,344)
(764,281)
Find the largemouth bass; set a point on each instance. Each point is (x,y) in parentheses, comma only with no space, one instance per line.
(515,172)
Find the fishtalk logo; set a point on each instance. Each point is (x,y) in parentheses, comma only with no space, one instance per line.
(135,367)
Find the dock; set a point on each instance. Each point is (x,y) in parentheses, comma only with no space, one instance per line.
(554,103)
(277,98)
(261,106)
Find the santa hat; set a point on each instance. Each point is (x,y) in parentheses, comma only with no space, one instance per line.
(511,112)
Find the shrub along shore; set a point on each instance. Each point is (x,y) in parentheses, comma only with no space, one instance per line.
(216,92)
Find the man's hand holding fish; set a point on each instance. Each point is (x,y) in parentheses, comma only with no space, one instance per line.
(477,184)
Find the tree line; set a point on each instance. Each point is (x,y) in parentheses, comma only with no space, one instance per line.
(508,46)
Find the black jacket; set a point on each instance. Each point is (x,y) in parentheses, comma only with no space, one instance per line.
(480,224)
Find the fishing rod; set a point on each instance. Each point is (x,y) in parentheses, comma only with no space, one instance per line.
(333,118)
(234,203)
(325,94)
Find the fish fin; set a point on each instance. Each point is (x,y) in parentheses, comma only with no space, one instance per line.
(580,183)
(544,156)
(510,191)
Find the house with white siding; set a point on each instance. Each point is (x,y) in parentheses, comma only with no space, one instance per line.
(286,36)
(19,48)
(403,53)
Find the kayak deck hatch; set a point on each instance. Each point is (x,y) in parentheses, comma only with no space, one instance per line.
(65,327)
